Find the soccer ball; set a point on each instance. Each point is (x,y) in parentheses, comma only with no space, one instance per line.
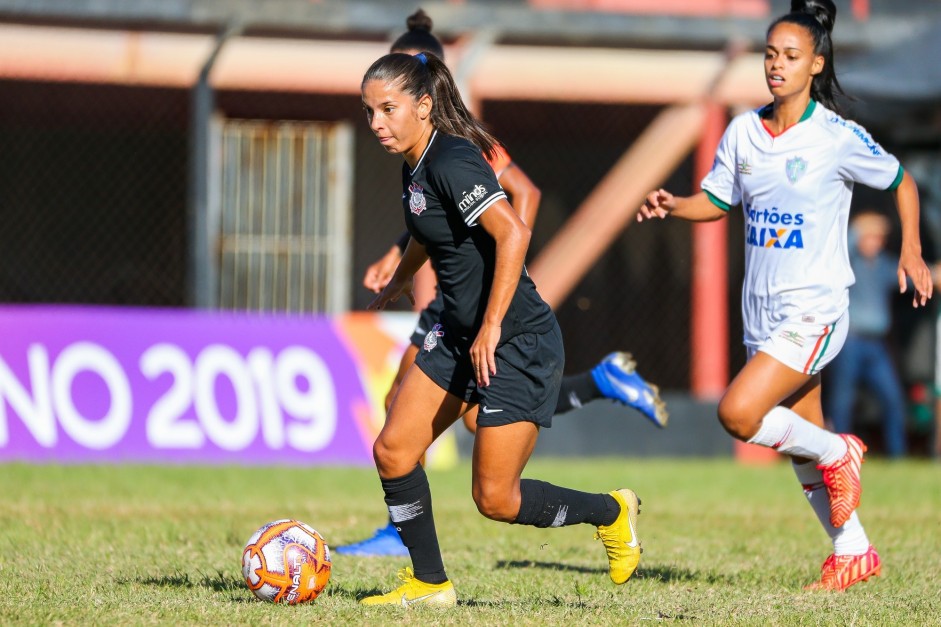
(286,561)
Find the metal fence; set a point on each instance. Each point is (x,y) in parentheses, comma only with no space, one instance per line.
(284,241)
(92,194)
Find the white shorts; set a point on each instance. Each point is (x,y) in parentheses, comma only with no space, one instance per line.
(802,346)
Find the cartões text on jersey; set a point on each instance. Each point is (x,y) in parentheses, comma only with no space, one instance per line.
(772,228)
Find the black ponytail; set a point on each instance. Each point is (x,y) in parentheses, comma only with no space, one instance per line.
(427,74)
(818,17)
(418,36)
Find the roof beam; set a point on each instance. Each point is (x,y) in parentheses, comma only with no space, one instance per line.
(377,18)
(498,72)
(614,202)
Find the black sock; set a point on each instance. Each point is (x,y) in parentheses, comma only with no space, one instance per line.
(409,501)
(577,389)
(547,505)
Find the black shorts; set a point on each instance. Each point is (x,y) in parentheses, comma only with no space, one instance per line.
(525,388)
(427,318)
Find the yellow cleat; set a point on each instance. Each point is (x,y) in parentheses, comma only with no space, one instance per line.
(415,592)
(620,537)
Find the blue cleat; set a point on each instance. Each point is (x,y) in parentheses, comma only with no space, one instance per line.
(617,379)
(384,543)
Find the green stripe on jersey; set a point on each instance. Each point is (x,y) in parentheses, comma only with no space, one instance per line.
(898,180)
(766,111)
(721,204)
(809,111)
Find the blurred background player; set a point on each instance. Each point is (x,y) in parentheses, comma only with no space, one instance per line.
(866,358)
(615,377)
(792,165)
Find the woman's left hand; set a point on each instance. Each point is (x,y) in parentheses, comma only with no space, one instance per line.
(482,353)
(391,293)
(914,267)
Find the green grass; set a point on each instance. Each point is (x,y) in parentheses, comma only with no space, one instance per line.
(724,544)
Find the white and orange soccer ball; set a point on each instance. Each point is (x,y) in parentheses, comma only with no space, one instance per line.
(286,561)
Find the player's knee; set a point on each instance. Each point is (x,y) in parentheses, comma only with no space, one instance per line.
(494,504)
(387,462)
(737,417)
(380,453)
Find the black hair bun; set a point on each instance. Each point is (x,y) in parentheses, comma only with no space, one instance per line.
(419,20)
(824,11)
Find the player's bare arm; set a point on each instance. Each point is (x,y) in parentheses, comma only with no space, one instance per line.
(911,263)
(512,239)
(523,191)
(696,208)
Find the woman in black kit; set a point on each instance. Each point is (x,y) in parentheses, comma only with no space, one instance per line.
(497,344)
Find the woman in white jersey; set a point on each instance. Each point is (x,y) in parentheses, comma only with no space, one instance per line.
(791,165)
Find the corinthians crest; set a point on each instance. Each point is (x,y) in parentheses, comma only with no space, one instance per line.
(431,340)
(795,169)
(416,199)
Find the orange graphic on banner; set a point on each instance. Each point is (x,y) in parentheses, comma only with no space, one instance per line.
(376,342)
(377,356)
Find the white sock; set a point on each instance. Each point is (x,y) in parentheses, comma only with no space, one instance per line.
(850,539)
(788,433)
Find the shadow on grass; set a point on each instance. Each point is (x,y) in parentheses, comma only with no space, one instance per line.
(665,574)
(223,582)
(219,582)
(515,603)
(353,593)
(233,585)
(668,574)
(508,564)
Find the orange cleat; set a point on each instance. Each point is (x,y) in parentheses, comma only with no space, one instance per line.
(839,572)
(842,481)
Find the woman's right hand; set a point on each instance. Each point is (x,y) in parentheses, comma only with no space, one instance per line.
(658,204)
(379,273)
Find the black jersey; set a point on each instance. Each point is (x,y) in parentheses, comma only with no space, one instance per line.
(450,188)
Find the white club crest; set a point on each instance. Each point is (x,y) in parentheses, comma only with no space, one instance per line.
(431,340)
(416,199)
(795,169)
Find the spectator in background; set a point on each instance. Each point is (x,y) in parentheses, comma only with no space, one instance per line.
(866,358)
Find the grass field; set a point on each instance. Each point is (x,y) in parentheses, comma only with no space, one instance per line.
(724,544)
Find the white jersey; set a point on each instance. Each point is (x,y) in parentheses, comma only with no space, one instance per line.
(795,190)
